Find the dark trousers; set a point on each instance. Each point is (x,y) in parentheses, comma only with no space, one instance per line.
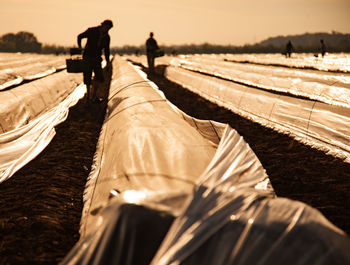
(93,65)
(150,61)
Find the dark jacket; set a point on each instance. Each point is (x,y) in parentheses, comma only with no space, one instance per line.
(151,45)
(95,43)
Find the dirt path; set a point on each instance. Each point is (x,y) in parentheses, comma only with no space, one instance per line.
(296,171)
(41,205)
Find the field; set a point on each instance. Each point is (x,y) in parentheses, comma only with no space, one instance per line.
(41,204)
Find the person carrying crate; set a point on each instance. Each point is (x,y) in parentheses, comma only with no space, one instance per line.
(151,49)
(98,39)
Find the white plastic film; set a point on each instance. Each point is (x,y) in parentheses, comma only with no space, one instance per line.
(323,126)
(23,103)
(230,222)
(337,62)
(145,146)
(28,114)
(326,130)
(325,87)
(16,68)
(150,153)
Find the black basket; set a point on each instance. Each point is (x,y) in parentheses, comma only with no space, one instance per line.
(76,65)
(159,53)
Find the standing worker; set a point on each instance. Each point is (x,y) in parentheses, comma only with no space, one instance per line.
(151,49)
(97,40)
(289,49)
(323,48)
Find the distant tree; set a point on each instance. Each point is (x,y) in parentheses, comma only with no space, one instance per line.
(8,43)
(20,42)
(308,42)
(56,49)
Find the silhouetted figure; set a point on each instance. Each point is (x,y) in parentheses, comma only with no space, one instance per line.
(97,40)
(323,48)
(289,49)
(151,49)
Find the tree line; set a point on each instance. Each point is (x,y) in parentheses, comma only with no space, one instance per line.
(24,41)
(302,43)
(309,42)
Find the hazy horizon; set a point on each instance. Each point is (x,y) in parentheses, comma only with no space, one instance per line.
(225,22)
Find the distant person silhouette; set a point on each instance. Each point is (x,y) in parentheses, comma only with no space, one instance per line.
(289,49)
(151,49)
(323,48)
(97,40)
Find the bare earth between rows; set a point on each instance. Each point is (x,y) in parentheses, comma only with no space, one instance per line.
(40,206)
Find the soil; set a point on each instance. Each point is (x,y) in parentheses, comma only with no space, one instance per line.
(40,206)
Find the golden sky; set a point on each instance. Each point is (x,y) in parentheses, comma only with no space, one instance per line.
(235,22)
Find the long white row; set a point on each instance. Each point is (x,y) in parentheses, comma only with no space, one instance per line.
(331,88)
(147,146)
(202,173)
(16,68)
(28,115)
(338,62)
(20,105)
(315,123)
(323,126)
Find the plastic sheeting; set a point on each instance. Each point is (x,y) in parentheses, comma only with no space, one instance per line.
(23,103)
(314,123)
(330,88)
(16,68)
(15,60)
(229,222)
(336,62)
(28,114)
(209,188)
(144,145)
(323,126)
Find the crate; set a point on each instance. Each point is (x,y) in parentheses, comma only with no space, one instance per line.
(76,65)
(159,53)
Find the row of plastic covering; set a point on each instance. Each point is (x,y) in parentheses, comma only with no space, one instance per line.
(323,126)
(15,68)
(166,188)
(332,62)
(28,114)
(331,88)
